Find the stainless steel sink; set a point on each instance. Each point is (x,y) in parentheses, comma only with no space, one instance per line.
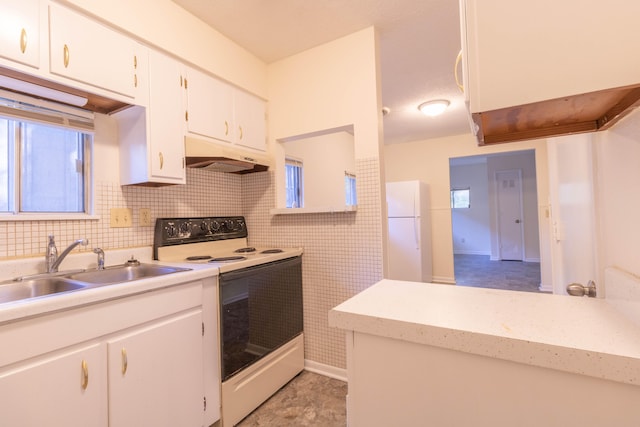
(15,291)
(41,285)
(125,273)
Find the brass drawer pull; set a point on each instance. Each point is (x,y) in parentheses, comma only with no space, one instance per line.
(23,40)
(125,361)
(66,56)
(85,375)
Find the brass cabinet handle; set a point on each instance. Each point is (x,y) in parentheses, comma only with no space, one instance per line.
(240,129)
(85,375)
(135,80)
(161,160)
(181,83)
(125,361)
(226,128)
(135,61)
(186,116)
(23,40)
(455,71)
(66,56)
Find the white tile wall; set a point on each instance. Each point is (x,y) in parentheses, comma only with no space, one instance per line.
(342,251)
(205,194)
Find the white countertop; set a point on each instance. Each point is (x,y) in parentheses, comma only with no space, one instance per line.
(19,310)
(585,336)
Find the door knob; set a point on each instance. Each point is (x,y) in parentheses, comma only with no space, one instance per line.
(517,221)
(578,290)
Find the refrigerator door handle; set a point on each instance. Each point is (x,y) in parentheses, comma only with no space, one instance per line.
(415,232)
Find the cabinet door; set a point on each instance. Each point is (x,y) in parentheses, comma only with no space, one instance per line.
(20,31)
(155,374)
(210,106)
(523,52)
(166,118)
(89,52)
(250,121)
(68,389)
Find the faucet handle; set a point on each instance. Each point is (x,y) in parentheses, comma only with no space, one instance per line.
(100,254)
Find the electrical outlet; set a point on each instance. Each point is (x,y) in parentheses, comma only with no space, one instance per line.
(145,217)
(121,218)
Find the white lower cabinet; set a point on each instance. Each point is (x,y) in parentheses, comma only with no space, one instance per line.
(64,389)
(155,374)
(133,361)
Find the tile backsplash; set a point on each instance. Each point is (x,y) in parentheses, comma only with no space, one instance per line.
(205,194)
(342,251)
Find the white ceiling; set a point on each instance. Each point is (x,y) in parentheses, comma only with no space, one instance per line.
(419,42)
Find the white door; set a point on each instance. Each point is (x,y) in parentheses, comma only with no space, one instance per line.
(573,218)
(509,198)
(405,262)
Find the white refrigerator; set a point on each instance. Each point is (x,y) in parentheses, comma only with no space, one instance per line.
(409,226)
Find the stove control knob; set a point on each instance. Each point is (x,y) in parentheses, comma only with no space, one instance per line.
(185,228)
(215,226)
(231,225)
(203,228)
(171,230)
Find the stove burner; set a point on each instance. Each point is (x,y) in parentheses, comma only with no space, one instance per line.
(271,251)
(198,257)
(245,250)
(228,258)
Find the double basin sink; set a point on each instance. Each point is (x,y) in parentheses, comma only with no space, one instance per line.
(56,283)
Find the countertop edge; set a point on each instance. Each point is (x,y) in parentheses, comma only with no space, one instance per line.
(597,364)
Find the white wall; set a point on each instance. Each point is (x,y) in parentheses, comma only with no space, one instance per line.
(428,161)
(618,194)
(325,159)
(472,227)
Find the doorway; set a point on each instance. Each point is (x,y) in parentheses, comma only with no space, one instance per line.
(496,239)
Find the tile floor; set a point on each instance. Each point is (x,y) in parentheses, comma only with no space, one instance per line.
(479,271)
(308,399)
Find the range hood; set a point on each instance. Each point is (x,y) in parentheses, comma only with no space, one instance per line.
(216,157)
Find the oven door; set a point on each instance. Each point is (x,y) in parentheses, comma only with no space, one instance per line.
(260,310)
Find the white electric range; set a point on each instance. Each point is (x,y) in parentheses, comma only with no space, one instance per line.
(259,305)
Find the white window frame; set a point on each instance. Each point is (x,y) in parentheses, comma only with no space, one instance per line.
(24,108)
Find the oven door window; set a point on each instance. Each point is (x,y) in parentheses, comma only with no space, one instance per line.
(261,309)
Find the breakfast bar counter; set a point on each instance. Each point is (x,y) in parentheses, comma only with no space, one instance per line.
(421,352)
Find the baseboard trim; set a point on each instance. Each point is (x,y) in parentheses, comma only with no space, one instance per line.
(444,280)
(326,370)
(471,253)
(532,260)
(545,288)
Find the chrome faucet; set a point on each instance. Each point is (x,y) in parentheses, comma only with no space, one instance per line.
(100,253)
(57,259)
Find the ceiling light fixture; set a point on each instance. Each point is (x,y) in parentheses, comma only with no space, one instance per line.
(433,108)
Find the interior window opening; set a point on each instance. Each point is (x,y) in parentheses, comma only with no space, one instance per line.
(293,176)
(350,189)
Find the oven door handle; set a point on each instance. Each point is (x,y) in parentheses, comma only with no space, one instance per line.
(256,269)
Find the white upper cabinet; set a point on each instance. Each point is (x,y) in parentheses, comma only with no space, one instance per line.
(88,52)
(210,106)
(152,136)
(548,68)
(518,53)
(220,111)
(20,31)
(250,121)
